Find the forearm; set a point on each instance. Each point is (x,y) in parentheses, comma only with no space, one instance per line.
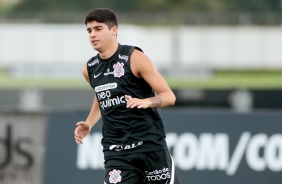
(93,118)
(162,100)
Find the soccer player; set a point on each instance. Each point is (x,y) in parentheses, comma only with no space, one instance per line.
(128,90)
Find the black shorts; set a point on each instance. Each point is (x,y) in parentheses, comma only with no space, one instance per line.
(141,168)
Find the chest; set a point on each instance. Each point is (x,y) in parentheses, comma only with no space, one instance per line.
(111,77)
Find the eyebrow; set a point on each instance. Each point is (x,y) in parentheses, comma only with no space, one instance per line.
(95,27)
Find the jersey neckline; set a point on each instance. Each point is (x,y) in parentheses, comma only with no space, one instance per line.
(113,56)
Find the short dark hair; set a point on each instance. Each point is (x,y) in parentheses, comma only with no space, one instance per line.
(102,15)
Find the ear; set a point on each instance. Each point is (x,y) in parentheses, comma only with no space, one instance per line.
(115,30)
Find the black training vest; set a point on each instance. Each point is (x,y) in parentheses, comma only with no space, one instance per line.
(125,130)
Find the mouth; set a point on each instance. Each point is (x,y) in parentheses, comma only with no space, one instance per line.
(94,42)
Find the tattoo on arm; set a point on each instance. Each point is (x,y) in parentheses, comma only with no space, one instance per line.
(156,101)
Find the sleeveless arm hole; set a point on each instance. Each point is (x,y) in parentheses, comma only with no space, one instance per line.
(137,49)
(129,63)
(88,73)
(89,68)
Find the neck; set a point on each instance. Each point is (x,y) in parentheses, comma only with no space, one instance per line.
(107,53)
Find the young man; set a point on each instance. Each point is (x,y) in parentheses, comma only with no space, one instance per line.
(128,90)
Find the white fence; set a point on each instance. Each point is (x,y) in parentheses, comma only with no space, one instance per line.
(218,47)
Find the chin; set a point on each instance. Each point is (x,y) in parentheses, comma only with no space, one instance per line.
(95,47)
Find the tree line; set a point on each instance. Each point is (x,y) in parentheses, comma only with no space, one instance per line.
(150,5)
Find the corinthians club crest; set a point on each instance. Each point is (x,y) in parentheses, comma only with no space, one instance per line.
(118,70)
(115,176)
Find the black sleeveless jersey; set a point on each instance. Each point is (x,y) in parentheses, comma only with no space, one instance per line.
(124,130)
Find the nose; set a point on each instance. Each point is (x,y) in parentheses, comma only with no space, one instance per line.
(92,34)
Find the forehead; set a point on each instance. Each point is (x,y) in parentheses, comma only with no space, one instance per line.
(95,24)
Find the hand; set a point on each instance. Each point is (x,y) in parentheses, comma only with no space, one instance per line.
(82,129)
(136,102)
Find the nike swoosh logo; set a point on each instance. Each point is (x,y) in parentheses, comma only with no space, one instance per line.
(95,76)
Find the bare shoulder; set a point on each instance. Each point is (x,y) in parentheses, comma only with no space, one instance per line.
(145,68)
(140,63)
(137,55)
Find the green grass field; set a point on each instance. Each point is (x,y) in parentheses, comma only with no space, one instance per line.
(219,79)
(232,79)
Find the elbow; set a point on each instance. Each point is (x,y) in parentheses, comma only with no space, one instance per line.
(167,100)
(172,100)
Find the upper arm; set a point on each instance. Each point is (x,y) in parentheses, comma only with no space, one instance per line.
(143,67)
(85,74)
(95,113)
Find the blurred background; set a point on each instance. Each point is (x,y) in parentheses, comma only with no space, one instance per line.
(217,50)
(222,58)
